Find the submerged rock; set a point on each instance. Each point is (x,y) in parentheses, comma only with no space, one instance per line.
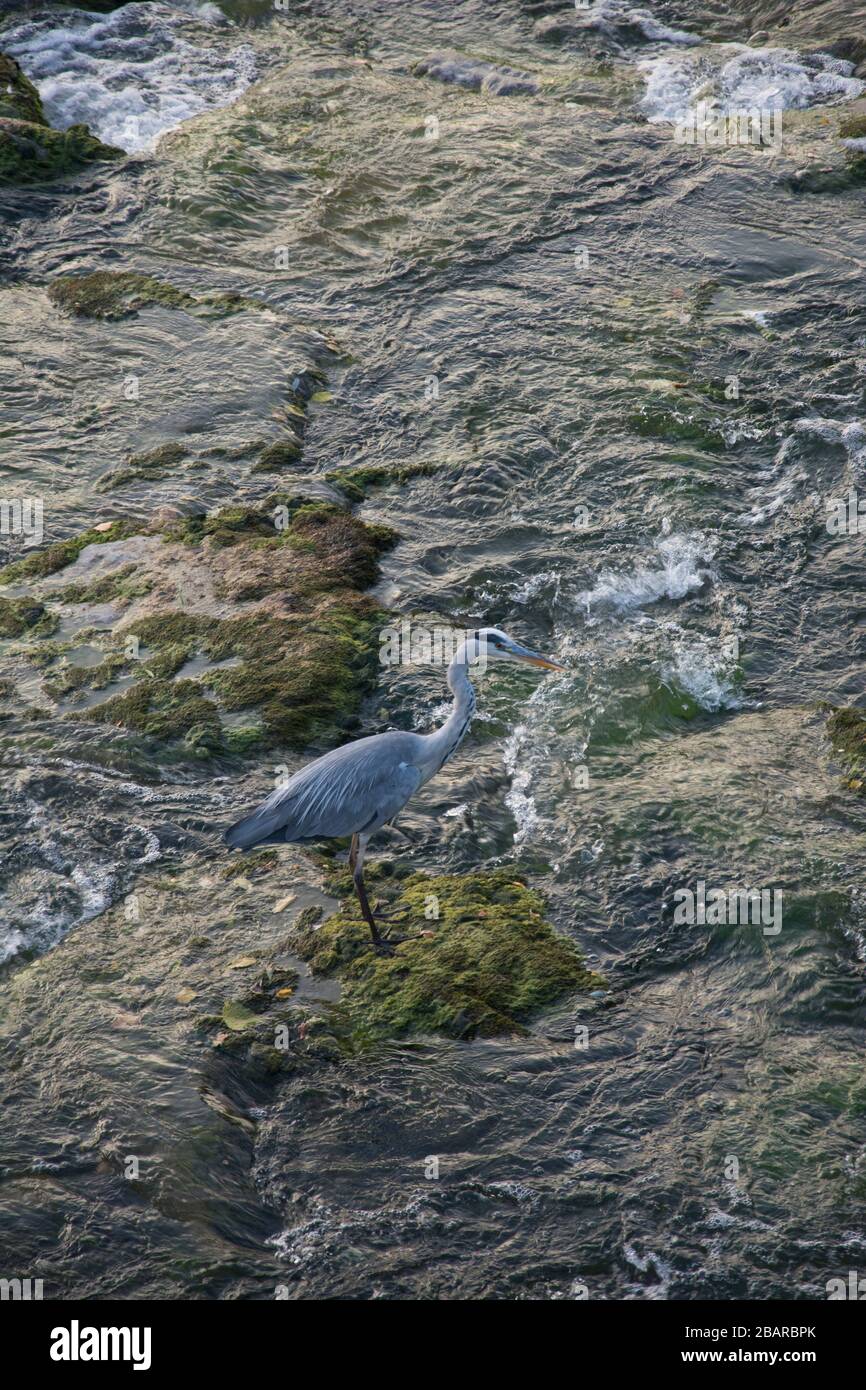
(356,483)
(846,728)
(117,294)
(486,964)
(291,653)
(149,466)
(479,76)
(305,386)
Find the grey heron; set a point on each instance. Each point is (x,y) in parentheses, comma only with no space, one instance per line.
(356,789)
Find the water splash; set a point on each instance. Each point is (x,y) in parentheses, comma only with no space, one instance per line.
(754,78)
(680,567)
(130,75)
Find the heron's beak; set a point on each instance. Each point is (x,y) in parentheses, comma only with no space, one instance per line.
(536,659)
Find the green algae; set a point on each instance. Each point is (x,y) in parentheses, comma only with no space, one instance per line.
(853,128)
(62,553)
(492,960)
(166,710)
(19,99)
(148,466)
(20,615)
(283,453)
(846,728)
(669,424)
(356,483)
(117,294)
(124,583)
(32,153)
(264,860)
(302,674)
(297,670)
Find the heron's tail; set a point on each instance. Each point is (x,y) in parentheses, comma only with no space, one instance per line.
(253,829)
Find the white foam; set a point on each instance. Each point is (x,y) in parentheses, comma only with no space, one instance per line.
(780,484)
(680,565)
(64,882)
(751,79)
(616,19)
(133,74)
(518,799)
(702,668)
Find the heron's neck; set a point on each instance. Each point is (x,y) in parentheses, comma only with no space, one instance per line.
(444,741)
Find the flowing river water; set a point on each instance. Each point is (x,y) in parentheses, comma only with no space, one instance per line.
(636,367)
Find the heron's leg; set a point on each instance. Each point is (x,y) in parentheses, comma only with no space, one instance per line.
(353,855)
(359,845)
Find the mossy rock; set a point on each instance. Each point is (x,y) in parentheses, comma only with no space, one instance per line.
(356,483)
(149,466)
(491,962)
(299,667)
(846,728)
(20,615)
(121,584)
(56,557)
(668,424)
(31,152)
(283,453)
(304,675)
(118,294)
(853,128)
(19,99)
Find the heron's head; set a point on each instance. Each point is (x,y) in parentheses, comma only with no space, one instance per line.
(492,642)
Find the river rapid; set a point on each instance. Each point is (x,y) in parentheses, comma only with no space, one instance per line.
(635,366)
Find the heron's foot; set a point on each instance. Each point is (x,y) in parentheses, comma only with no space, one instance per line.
(386,945)
(388,916)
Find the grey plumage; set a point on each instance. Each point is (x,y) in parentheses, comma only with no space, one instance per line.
(356,789)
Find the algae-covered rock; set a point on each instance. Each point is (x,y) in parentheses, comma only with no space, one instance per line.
(62,553)
(19,99)
(117,294)
(31,152)
(846,728)
(356,483)
(286,659)
(283,453)
(829,178)
(491,960)
(279,455)
(148,466)
(18,615)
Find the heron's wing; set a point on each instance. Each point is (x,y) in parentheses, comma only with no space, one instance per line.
(355,787)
